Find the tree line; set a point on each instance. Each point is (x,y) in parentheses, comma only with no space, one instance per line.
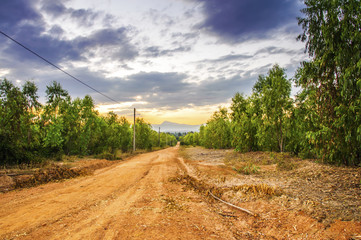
(31,132)
(324,119)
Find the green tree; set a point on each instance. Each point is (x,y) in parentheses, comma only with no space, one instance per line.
(56,131)
(243,124)
(274,92)
(218,130)
(18,135)
(331,30)
(143,133)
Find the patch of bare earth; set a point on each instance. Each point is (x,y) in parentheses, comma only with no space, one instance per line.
(133,199)
(295,199)
(162,195)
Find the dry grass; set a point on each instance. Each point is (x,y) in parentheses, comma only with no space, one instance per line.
(172,205)
(201,187)
(260,190)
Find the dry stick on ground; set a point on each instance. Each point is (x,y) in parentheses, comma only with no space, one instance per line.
(230,204)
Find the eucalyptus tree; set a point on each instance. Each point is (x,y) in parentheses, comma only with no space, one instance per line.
(274,92)
(54,119)
(218,130)
(17,133)
(244,124)
(332,33)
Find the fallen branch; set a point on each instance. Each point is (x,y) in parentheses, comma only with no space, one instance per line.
(231,205)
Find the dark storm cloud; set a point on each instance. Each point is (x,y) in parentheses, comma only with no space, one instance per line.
(14,12)
(84,17)
(23,22)
(54,49)
(235,20)
(54,8)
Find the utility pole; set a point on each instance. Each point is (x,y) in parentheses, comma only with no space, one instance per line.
(134,133)
(159,137)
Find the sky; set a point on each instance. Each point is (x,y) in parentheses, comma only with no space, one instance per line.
(172,60)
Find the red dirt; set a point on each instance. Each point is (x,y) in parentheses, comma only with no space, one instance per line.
(134,199)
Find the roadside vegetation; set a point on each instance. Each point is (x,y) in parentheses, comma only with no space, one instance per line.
(31,133)
(323,120)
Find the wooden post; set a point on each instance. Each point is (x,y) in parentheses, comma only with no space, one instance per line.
(134,133)
(159,136)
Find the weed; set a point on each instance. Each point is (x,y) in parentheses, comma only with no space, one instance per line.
(248,169)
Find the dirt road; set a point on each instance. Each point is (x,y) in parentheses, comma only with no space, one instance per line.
(132,200)
(135,200)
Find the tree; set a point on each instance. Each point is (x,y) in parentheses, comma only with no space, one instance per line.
(332,32)
(143,133)
(274,91)
(243,124)
(56,132)
(218,130)
(17,133)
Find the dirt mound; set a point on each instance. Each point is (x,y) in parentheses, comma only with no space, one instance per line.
(51,173)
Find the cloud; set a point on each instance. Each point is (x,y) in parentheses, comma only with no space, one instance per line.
(235,20)
(84,17)
(279,50)
(54,8)
(159,18)
(227,58)
(156,51)
(117,39)
(13,13)
(156,82)
(25,23)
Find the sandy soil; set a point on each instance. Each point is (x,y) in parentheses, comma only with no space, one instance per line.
(329,196)
(134,199)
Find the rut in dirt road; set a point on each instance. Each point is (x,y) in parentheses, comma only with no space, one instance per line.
(131,200)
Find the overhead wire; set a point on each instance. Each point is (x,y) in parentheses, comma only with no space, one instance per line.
(57,67)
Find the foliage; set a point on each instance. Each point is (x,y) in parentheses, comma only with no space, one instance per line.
(273,92)
(244,115)
(18,136)
(248,169)
(217,132)
(31,132)
(324,119)
(333,39)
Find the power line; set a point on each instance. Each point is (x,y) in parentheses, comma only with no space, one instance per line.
(52,64)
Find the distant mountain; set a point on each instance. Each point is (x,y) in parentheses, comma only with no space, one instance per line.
(175,127)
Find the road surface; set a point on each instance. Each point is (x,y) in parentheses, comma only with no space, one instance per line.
(130,200)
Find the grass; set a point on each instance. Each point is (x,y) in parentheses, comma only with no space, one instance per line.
(248,169)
